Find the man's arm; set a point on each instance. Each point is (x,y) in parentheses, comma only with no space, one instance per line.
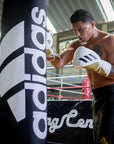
(87,58)
(58,61)
(61,60)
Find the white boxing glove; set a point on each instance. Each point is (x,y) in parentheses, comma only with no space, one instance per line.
(50,51)
(86,58)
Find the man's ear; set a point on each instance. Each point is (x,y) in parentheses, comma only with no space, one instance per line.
(92,23)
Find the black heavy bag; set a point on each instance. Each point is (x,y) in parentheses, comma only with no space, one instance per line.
(23,102)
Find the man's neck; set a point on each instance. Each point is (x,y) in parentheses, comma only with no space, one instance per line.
(95,37)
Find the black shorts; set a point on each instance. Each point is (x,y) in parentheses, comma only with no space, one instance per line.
(103,115)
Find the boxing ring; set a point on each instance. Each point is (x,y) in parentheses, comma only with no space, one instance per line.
(76,85)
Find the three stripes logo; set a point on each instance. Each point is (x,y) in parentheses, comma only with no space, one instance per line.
(87,58)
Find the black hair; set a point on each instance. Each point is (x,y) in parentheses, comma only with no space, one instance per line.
(81,15)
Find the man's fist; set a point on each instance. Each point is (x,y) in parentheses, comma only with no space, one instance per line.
(86,58)
(50,51)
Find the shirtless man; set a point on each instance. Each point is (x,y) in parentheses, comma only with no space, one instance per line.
(101,44)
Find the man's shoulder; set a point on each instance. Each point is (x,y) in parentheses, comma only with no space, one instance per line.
(108,42)
(106,38)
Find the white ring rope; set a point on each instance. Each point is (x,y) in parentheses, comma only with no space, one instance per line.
(66,77)
(55,81)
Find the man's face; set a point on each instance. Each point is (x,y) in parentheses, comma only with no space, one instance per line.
(83,31)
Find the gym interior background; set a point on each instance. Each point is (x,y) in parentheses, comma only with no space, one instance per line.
(59,12)
(60,128)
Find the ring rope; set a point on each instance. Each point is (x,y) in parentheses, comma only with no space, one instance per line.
(63,83)
(68,87)
(62,76)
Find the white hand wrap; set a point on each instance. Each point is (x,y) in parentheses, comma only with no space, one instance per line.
(86,58)
(50,52)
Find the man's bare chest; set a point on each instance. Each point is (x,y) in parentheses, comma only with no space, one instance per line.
(99,49)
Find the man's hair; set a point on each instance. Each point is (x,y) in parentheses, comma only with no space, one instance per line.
(81,15)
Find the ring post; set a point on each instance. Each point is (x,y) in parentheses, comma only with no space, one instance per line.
(23,87)
(86,89)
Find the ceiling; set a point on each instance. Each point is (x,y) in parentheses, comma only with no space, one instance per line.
(59,11)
